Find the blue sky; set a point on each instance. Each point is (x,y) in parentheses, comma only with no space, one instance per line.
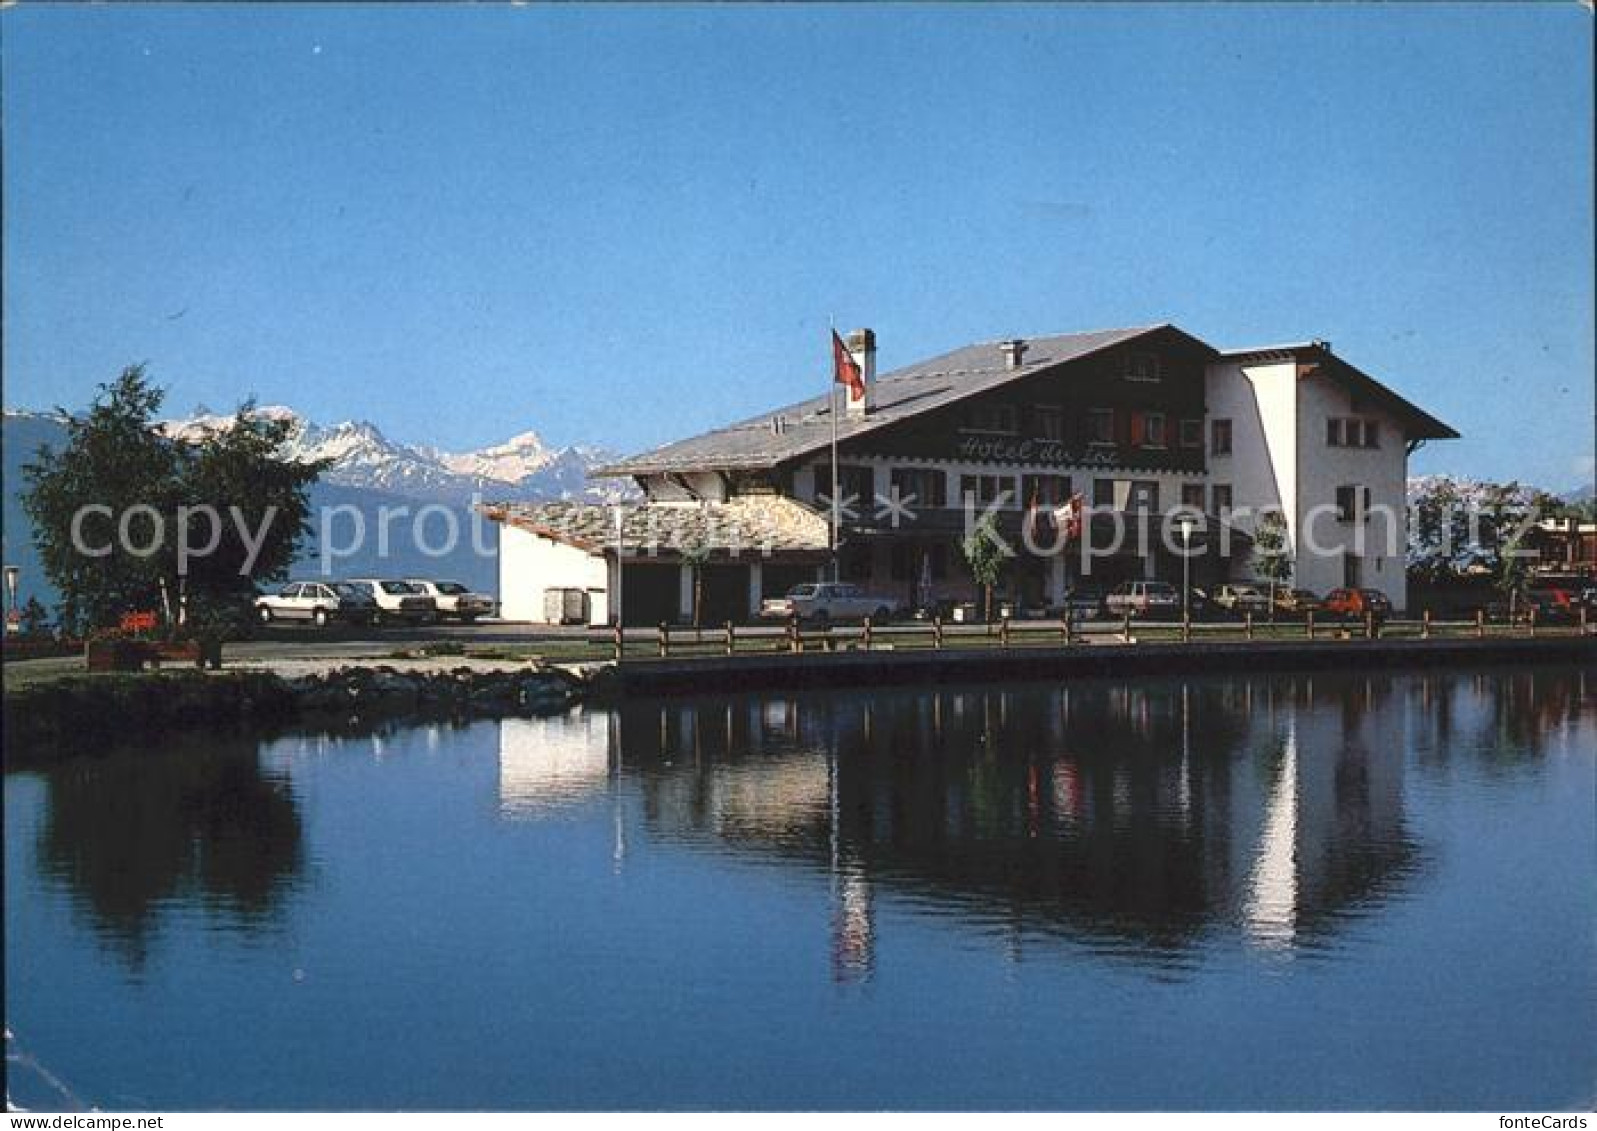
(622,225)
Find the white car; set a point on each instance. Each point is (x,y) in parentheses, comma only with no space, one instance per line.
(823,601)
(316,601)
(397,600)
(1242,599)
(1154,599)
(454,599)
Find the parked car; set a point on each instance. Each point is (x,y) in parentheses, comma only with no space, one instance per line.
(1559,597)
(1239,599)
(1553,604)
(1297,602)
(396,600)
(319,602)
(455,600)
(1143,599)
(823,601)
(1357,602)
(1202,607)
(1084,602)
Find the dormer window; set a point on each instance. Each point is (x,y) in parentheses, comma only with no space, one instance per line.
(991,418)
(1141,366)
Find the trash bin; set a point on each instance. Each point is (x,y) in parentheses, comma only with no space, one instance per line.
(565,606)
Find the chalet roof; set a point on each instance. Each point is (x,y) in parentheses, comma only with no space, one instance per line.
(1417,423)
(744,524)
(897,396)
(796,430)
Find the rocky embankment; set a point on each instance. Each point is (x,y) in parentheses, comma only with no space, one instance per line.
(68,715)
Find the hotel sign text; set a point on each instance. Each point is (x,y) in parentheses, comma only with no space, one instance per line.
(1003,449)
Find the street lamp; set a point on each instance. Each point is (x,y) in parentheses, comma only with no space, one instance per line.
(1186,524)
(13,618)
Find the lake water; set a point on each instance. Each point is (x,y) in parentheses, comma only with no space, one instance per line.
(1327,891)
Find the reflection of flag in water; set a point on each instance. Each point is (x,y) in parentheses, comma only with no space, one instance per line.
(853,927)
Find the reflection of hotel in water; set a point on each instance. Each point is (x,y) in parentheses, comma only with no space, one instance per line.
(1136,818)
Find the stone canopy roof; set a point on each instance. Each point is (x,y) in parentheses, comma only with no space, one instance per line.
(745,524)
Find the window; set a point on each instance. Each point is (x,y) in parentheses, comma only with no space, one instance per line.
(1220,438)
(1045,490)
(1153,430)
(1050,422)
(1144,495)
(1100,425)
(1142,367)
(988,489)
(910,560)
(1352,432)
(1192,433)
(988,417)
(928,486)
(1192,495)
(1220,498)
(854,562)
(1352,503)
(898,561)
(1103,492)
(856,482)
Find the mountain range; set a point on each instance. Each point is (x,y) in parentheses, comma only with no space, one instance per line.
(369,472)
(521,468)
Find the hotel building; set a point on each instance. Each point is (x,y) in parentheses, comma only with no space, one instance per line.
(1139,427)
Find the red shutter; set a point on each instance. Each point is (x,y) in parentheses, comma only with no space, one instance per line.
(1138,429)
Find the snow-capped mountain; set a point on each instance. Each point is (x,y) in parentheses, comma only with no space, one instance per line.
(523,467)
(369,473)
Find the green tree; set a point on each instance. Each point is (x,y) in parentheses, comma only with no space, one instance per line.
(141,481)
(987,558)
(239,473)
(1511,572)
(1272,559)
(35,619)
(114,458)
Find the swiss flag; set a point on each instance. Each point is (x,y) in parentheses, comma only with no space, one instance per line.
(845,370)
(1073,518)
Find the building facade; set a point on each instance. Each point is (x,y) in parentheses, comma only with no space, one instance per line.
(1084,451)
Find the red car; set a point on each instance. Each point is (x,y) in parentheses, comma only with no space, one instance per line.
(1356,602)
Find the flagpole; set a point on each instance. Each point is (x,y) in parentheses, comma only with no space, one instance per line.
(836,504)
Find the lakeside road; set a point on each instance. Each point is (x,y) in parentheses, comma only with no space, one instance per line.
(768,654)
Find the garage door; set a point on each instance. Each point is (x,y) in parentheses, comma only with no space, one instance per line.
(649,594)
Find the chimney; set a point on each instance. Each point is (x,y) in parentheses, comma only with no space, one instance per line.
(1014,352)
(862,347)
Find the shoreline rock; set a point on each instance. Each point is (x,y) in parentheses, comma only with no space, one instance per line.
(75,714)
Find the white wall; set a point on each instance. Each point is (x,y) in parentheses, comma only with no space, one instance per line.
(1324,468)
(1280,459)
(1260,400)
(530,563)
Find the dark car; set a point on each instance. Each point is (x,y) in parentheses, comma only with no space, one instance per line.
(1083,602)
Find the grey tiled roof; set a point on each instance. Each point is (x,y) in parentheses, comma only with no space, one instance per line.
(745,524)
(899,395)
